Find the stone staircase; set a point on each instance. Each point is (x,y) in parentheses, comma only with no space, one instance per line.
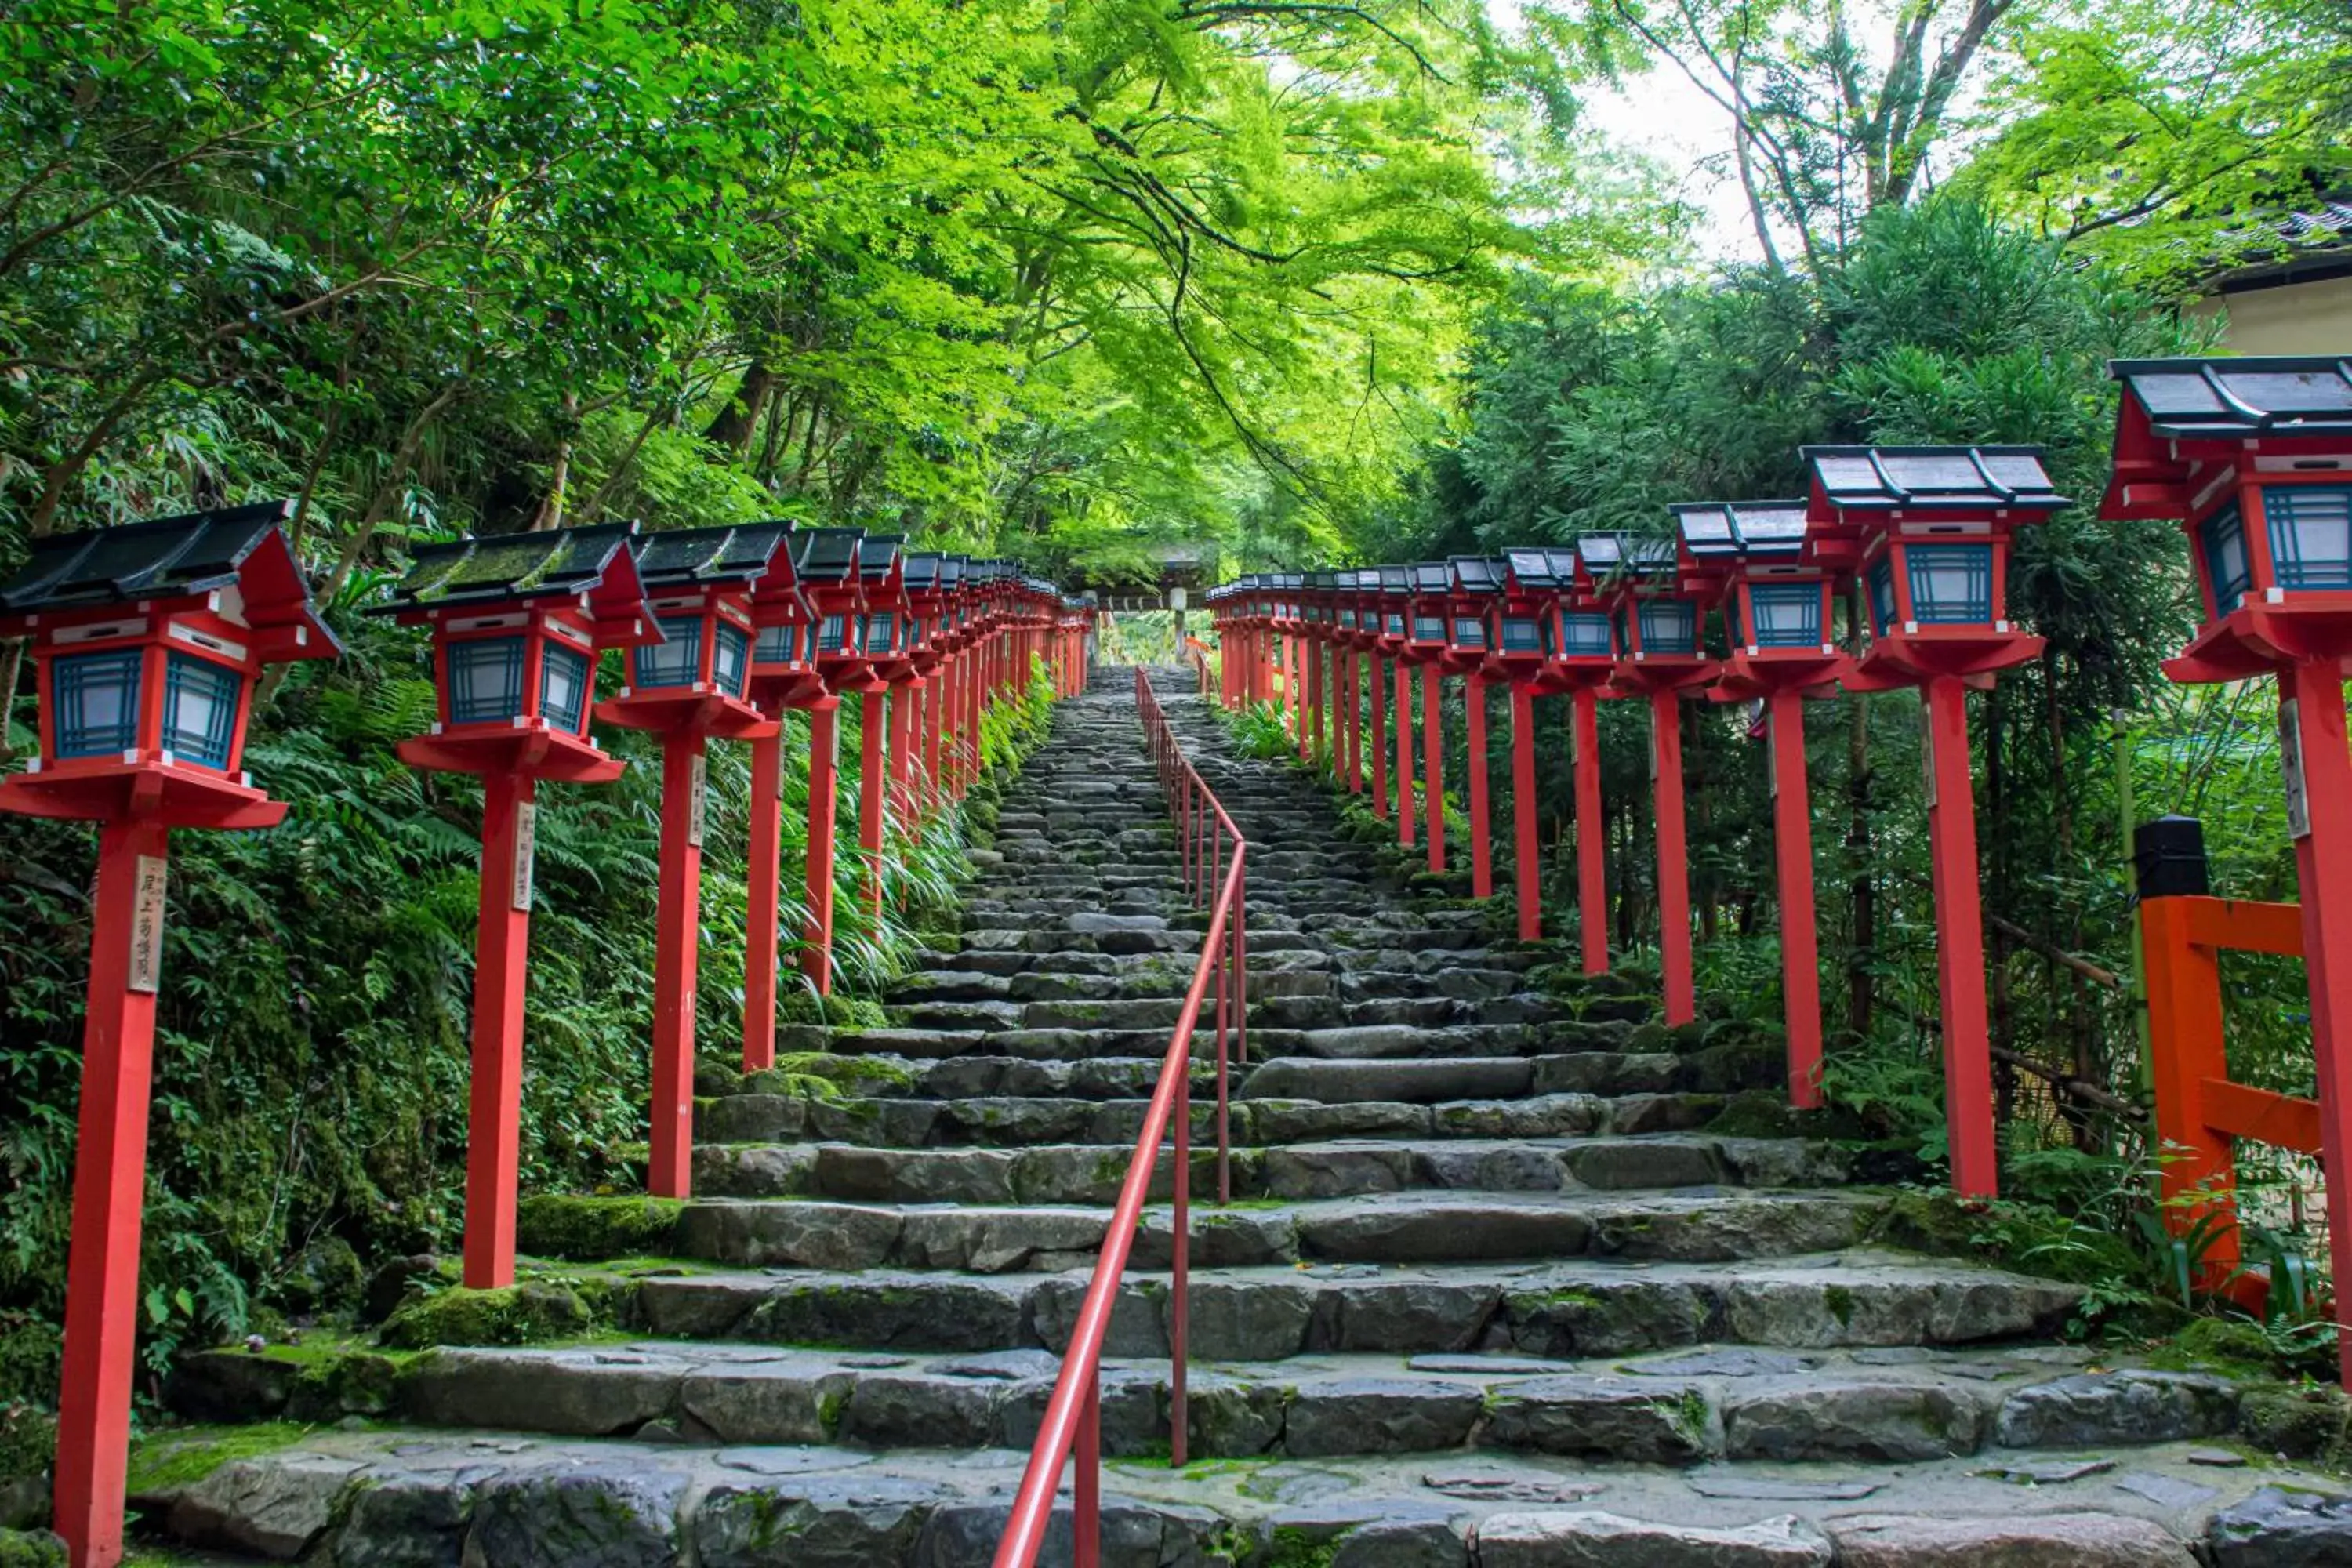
(1490,1291)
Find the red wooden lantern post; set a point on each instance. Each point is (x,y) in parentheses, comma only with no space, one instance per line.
(1425,648)
(1314,610)
(146,642)
(1290,624)
(1355,642)
(783,678)
(934,653)
(1386,596)
(690,688)
(959,752)
(1517,624)
(2253,457)
(1476,584)
(1660,654)
(1930,527)
(1396,623)
(882,748)
(825,564)
(1779,622)
(1225,611)
(517,624)
(1264,639)
(1237,643)
(1579,660)
(1310,654)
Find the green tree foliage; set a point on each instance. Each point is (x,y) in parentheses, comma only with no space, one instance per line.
(1057,279)
(2157,136)
(1587,408)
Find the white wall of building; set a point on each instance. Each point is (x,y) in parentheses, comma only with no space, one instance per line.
(2292,319)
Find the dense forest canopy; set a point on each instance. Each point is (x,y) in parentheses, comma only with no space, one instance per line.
(1077,281)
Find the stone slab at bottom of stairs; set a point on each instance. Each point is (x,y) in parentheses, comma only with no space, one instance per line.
(371,1500)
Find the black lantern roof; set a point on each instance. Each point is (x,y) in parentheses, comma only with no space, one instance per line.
(1536,570)
(1625,555)
(1476,574)
(562,562)
(1432,578)
(2231,398)
(825,554)
(1971,478)
(163,561)
(173,557)
(1323,582)
(166,558)
(1722,530)
(705,557)
(1396,579)
(952,571)
(922,571)
(877,554)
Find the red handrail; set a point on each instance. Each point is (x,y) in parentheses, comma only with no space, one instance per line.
(1073,1425)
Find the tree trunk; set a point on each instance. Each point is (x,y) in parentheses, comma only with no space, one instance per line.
(735,423)
(403,458)
(550,511)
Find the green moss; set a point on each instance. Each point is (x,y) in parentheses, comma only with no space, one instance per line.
(1689,1414)
(1939,1223)
(1758,1113)
(1839,1299)
(31,1549)
(354,1383)
(516,1315)
(28,1437)
(558,1224)
(2298,1423)
(181,1456)
(1290,1547)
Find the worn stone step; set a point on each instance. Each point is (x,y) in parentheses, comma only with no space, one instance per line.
(1581,1308)
(1433,1080)
(419,1495)
(1702,1224)
(1022,1104)
(1680,1408)
(1093,1172)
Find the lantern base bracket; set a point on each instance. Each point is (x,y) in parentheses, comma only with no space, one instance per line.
(668,711)
(1898,660)
(555,755)
(175,796)
(2256,639)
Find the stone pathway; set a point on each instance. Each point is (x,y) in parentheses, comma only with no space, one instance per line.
(1490,1292)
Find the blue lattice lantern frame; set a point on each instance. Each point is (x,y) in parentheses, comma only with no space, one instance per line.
(146,642)
(1778,585)
(882,626)
(1930,529)
(2253,459)
(1394,607)
(1428,607)
(518,623)
(1572,628)
(698,584)
(1657,627)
